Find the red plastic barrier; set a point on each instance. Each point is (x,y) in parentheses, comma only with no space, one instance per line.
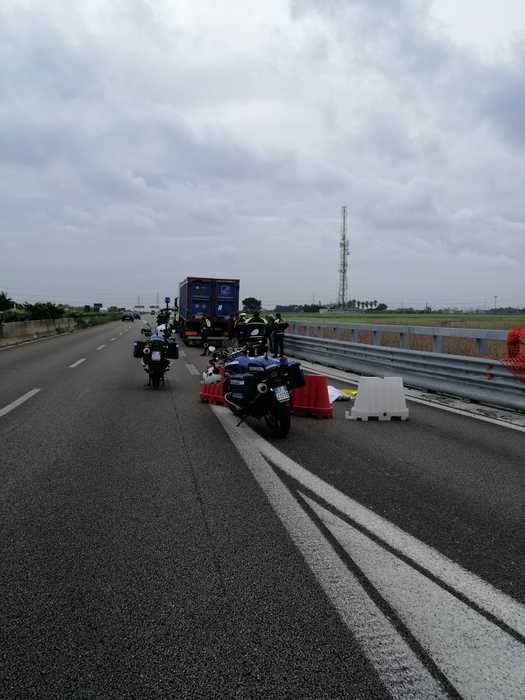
(516,342)
(516,352)
(312,399)
(213,393)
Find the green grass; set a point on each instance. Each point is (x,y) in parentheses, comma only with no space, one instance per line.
(458,320)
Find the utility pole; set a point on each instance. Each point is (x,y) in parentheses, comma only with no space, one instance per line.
(343,262)
(495,303)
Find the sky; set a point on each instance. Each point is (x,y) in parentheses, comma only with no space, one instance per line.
(144,141)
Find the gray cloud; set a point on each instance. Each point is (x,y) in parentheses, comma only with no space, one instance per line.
(130,127)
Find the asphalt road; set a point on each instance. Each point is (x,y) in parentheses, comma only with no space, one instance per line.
(150,548)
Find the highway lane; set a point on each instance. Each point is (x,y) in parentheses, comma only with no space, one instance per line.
(349,558)
(446,485)
(33,364)
(139,556)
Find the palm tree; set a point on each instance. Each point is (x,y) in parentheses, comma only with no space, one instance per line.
(374,303)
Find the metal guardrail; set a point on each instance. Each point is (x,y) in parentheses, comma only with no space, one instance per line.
(487,381)
(437,333)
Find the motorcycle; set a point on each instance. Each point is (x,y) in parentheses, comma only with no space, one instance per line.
(156,353)
(259,387)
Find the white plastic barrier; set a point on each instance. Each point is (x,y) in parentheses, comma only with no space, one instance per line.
(380,398)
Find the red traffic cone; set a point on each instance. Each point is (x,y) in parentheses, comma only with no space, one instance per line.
(312,399)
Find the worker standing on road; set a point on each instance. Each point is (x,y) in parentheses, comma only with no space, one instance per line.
(240,327)
(269,331)
(231,329)
(205,332)
(279,326)
(256,332)
(176,321)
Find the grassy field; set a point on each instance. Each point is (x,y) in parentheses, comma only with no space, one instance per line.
(457,346)
(459,320)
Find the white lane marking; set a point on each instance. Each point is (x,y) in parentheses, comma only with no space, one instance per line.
(444,625)
(513,421)
(112,339)
(14,404)
(182,353)
(77,363)
(100,347)
(192,369)
(439,620)
(400,670)
(469,585)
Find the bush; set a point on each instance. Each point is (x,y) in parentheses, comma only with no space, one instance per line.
(12,315)
(43,310)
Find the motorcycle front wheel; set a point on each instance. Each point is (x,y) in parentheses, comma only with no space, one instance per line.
(278,419)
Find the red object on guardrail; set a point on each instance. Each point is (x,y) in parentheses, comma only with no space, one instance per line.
(312,399)
(516,352)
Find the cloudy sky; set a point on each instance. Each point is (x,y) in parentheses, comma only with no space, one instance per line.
(142,141)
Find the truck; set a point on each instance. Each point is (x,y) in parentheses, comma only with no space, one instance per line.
(217,298)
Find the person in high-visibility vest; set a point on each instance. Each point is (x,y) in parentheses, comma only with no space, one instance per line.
(205,332)
(256,332)
(278,328)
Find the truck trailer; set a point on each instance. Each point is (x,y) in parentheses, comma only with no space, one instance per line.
(216,298)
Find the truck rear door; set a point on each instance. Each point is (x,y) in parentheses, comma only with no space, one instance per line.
(226,299)
(200,298)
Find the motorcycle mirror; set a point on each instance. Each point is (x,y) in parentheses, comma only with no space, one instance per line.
(211,348)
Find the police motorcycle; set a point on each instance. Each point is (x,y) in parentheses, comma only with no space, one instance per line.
(258,386)
(156,352)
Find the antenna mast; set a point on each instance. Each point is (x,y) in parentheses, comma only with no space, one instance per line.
(343,263)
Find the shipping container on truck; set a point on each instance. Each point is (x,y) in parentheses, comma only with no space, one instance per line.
(216,298)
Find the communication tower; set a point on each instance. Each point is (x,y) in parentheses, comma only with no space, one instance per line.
(343,262)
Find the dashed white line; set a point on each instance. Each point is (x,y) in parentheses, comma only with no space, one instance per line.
(192,369)
(112,339)
(182,353)
(77,363)
(14,404)
(100,347)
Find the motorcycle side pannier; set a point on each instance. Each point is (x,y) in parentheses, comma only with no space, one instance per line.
(295,376)
(173,351)
(138,347)
(241,387)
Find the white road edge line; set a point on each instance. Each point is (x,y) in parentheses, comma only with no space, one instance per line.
(497,653)
(192,369)
(400,670)
(100,347)
(483,594)
(14,404)
(77,363)
(354,381)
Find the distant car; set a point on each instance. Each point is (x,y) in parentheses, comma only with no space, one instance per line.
(127,317)
(136,314)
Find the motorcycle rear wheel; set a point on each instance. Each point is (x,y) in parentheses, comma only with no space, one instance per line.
(155,381)
(278,419)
